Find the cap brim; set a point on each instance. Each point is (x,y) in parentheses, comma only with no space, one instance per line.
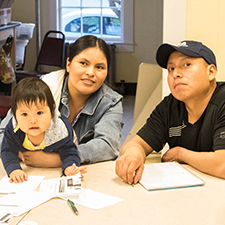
(164,51)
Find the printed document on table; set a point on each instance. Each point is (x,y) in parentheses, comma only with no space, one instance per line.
(63,186)
(31,184)
(168,175)
(94,200)
(22,201)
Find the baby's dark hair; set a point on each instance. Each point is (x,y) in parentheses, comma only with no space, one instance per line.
(31,90)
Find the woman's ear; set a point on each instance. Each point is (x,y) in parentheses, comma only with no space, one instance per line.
(212,72)
(67,65)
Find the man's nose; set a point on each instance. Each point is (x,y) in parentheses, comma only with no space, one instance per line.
(177,73)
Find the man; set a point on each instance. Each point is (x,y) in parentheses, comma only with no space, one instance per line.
(191,119)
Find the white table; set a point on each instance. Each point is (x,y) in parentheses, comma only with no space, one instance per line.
(187,206)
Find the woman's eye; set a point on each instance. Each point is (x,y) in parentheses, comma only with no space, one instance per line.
(40,113)
(83,63)
(100,67)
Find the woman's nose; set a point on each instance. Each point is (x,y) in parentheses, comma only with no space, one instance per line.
(90,71)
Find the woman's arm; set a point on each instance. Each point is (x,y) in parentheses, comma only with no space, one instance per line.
(41,159)
(105,144)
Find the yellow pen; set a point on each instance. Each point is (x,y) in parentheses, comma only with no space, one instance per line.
(72,205)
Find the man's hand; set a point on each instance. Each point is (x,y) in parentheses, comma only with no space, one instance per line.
(18,176)
(41,159)
(129,166)
(173,154)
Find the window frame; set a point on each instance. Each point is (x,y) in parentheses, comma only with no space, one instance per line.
(125,45)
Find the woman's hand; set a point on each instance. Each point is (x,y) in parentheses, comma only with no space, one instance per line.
(41,159)
(72,170)
(18,176)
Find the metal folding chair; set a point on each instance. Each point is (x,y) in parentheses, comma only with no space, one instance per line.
(51,54)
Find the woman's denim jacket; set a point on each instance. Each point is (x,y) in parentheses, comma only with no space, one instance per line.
(98,126)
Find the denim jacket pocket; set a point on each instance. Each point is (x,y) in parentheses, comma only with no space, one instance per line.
(87,137)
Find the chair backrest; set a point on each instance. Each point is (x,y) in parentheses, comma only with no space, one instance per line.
(148,95)
(52,50)
(149,76)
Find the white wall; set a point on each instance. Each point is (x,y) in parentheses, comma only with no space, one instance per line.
(205,23)
(24,11)
(174,29)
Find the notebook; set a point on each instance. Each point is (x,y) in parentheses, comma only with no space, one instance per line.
(168,175)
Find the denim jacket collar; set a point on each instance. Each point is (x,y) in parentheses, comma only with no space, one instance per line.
(94,99)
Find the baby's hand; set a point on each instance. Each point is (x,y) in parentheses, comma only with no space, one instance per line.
(72,170)
(18,176)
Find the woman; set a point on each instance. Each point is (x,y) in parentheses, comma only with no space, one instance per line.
(93,109)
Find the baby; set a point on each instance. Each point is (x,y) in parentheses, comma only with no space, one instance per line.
(37,126)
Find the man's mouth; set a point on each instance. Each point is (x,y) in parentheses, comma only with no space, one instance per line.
(178,84)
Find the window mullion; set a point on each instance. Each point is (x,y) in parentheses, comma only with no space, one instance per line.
(101,21)
(81,18)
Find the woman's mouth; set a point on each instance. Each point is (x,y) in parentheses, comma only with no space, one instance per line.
(87,81)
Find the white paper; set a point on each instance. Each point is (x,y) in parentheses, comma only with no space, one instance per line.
(158,176)
(95,200)
(5,217)
(31,184)
(62,187)
(22,201)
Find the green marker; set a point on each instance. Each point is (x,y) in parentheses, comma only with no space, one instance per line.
(72,205)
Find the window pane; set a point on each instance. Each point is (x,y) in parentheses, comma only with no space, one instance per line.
(111,26)
(108,3)
(91,21)
(111,22)
(65,3)
(91,25)
(71,21)
(68,13)
(91,3)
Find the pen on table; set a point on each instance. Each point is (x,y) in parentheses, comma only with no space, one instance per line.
(10,205)
(72,205)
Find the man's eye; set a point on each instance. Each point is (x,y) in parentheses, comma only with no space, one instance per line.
(187,64)
(40,113)
(170,69)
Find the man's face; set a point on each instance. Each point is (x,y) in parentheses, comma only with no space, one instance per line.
(188,77)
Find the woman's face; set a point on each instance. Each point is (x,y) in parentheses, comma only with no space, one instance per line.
(87,71)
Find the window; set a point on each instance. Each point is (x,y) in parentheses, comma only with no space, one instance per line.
(102,18)
(98,17)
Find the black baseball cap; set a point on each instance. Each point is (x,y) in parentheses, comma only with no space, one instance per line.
(189,48)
